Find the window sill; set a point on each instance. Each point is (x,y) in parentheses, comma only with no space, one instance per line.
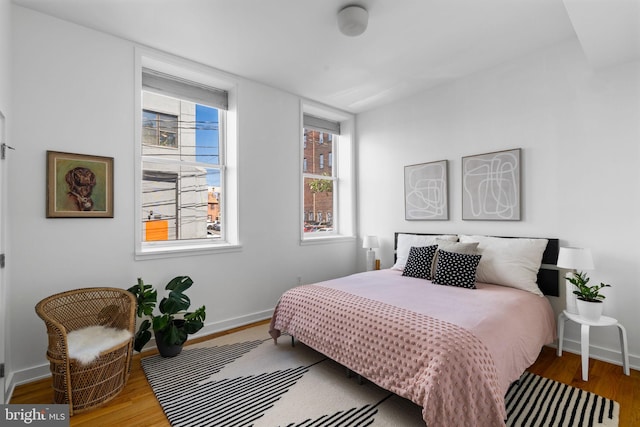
(326,240)
(184,250)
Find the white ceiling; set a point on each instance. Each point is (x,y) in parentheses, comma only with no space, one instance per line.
(409,46)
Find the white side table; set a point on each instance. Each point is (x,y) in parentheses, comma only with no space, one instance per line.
(584,338)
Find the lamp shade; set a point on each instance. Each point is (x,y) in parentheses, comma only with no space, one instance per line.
(370,242)
(353,20)
(575,258)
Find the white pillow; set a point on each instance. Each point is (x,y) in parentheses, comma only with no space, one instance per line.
(406,241)
(512,262)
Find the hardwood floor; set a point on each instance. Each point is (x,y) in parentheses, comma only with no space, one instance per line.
(605,379)
(137,405)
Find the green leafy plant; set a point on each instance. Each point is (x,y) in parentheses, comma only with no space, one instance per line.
(584,291)
(321,186)
(174,323)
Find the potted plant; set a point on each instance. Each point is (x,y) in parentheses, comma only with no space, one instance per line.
(174,324)
(589,297)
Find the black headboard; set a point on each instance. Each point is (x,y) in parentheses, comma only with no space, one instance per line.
(547,275)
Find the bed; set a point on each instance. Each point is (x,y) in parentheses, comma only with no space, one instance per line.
(450,326)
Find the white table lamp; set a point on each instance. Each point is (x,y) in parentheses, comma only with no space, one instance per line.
(370,242)
(574,259)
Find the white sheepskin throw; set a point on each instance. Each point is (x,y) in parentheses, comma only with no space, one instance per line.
(86,344)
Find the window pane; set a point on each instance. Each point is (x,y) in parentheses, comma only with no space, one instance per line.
(317,148)
(207,135)
(159,129)
(149,119)
(180,202)
(180,130)
(318,203)
(167,130)
(149,128)
(318,192)
(149,136)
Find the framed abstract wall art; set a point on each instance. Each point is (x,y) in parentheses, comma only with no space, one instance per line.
(425,191)
(491,186)
(79,186)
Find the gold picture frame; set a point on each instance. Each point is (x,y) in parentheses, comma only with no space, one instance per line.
(79,186)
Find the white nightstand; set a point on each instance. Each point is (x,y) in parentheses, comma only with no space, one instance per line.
(584,338)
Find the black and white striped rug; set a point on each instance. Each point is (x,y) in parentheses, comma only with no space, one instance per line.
(243,379)
(538,401)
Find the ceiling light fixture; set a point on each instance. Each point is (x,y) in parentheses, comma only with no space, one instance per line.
(353,20)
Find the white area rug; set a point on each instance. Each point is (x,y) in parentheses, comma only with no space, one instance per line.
(243,379)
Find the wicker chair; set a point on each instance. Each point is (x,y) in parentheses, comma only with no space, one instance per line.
(85,386)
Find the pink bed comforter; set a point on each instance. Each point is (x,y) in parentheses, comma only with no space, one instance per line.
(451,350)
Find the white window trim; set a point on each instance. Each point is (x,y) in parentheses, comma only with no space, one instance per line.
(344,215)
(189,70)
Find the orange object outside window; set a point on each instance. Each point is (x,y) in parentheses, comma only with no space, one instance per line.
(157,230)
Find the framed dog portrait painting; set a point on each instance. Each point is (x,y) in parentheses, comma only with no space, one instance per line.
(79,186)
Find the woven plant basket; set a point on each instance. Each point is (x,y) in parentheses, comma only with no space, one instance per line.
(85,386)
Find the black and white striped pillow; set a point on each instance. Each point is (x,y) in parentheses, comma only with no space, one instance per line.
(419,262)
(455,269)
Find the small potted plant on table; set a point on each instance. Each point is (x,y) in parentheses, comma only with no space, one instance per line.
(589,297)
(174,324)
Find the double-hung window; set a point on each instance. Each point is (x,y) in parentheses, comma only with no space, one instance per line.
(327,174)
(183,174)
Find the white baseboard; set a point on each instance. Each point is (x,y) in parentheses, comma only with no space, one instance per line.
(25,376)
(225,325)
(42,371)
(600,353)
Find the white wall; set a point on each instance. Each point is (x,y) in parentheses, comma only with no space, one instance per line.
(5,53)
(73,92)
(578,130)
(5,102)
